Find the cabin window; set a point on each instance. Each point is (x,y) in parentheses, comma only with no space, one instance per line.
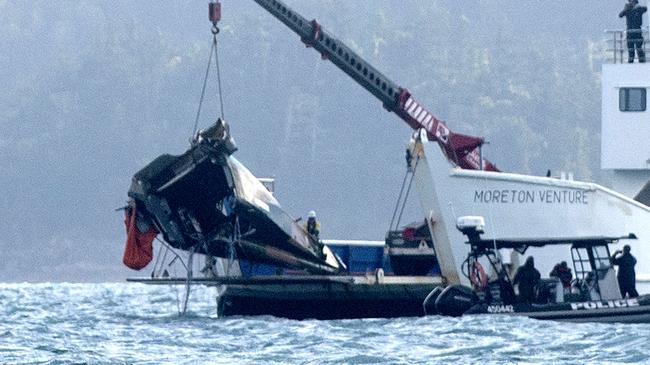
(631,99)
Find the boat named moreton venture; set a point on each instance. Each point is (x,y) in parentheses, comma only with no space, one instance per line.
(523,206)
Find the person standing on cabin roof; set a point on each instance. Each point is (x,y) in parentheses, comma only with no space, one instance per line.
(626,274)
(312,226)
(633,13)
(527,277)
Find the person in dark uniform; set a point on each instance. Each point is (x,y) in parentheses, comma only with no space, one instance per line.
(562,272)
(633,13)
(527,277)
(626,274)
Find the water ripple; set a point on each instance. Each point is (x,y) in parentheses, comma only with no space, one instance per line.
(137,324)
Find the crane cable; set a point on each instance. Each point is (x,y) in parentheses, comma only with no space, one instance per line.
(215,30)
(232,252)
(399,199)
(214,50)
(409,171)
(408,190)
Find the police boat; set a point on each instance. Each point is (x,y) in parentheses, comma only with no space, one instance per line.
(594,295)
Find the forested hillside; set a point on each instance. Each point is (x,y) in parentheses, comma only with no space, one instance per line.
(92,91)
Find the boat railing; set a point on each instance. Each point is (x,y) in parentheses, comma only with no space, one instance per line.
(617,46)
(269,183)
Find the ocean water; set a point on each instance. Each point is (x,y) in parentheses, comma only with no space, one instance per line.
(137,324)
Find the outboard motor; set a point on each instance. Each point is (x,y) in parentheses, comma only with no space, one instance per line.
(455,300)
(430,301)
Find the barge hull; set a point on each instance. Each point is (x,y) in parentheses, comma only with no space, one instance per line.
(325,300)
(320,297)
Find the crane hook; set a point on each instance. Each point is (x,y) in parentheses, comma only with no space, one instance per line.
(214,14)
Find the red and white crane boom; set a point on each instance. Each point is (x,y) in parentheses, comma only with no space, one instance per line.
(462,150)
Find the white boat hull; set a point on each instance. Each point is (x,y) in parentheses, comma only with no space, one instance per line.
(518,206)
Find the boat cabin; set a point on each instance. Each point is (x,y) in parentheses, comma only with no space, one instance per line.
(595,277)
(625,153)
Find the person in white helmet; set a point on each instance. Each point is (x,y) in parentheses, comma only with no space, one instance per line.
(312,226)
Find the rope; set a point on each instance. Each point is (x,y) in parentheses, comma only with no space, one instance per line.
(399,198)
(176,255)
(205,81)
(216,61)
(162,264)
(236,235)
(188,283)
(175,288)
(155,265)
(408,190)
(213,50)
